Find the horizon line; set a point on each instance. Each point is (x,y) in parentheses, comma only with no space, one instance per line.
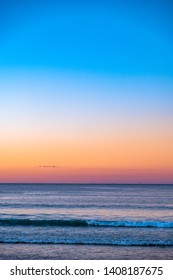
(91,183)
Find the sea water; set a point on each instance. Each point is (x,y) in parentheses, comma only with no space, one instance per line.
(86,221)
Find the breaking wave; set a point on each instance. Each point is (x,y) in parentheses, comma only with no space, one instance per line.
(85,223)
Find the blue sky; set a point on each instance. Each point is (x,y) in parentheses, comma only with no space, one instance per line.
(107,37)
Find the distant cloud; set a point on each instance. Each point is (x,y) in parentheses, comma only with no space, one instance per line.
(48,166)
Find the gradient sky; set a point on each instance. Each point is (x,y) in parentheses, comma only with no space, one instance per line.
(86,91)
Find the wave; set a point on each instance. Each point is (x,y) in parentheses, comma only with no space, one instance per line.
(85,223)
(90,242)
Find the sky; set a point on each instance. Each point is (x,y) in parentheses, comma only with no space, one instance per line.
(86,91)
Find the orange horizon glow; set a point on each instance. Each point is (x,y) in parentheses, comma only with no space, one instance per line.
(88,162)
(85,175)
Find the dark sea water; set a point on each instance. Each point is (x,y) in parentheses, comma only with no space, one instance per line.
(63,221)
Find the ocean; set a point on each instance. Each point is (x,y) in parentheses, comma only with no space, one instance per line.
(86,221)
